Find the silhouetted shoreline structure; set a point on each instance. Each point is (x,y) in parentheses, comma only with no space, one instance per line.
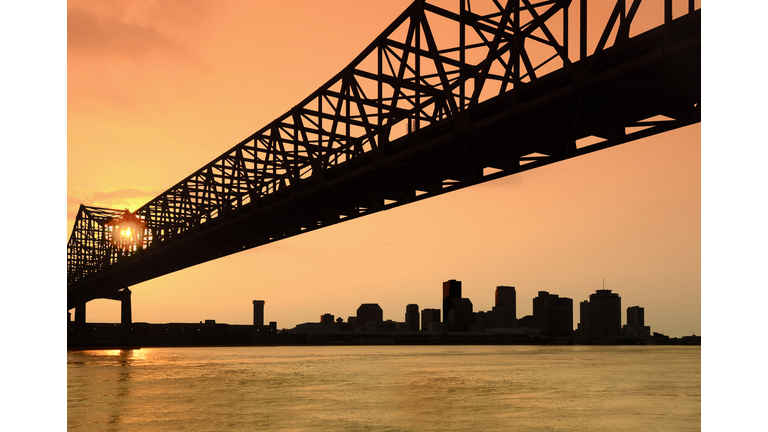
(550,323)
(258,312)
(369,316)
(430,319)
(504,312)
(603,314)
(635,327)
(552,314)
(451,290)
(412,317)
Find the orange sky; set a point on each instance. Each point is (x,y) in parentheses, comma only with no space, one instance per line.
(155,90)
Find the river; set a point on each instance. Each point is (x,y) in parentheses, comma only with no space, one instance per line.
(386,388)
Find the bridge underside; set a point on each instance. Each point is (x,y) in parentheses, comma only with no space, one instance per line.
(604,97)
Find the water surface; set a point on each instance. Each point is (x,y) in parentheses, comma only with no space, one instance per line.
(386,388)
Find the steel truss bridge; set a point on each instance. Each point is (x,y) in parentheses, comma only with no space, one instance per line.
(513,86)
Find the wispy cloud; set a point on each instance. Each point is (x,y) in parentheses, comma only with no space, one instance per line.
(108,34)
(147,43)
(123,195)
(130,198)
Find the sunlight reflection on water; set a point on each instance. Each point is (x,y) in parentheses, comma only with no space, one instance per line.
(408,388)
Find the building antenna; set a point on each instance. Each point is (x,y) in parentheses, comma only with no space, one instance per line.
(603,283)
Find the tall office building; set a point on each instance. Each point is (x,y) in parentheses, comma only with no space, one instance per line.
(636,327)
(369,312)
(635,316)
(258,312)
(505,296)
(461,315)
(604,314)
(504,312)
(412,317)
(552,314)
(584,318)
(451,289)
(429,316)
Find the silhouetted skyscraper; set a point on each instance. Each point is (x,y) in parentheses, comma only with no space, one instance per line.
(369,312)
(636,327)
(635,316)
(584,318)
(461,316)
(552,314)
(429,316)
(451,289)
(504,312)
(604,314)
(412,317)
(258,312)
(505,296)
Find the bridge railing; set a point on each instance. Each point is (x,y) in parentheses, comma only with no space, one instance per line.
(428,65)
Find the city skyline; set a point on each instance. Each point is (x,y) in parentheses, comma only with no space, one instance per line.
(577,312)
(168,95)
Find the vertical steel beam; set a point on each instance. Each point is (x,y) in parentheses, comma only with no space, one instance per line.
(566,56)
(582,30)
(517,45)
(380,105)
(462,55)
(417,16)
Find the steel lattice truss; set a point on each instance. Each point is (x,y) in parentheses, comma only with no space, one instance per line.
(396,93)
(397,85)
(95,243)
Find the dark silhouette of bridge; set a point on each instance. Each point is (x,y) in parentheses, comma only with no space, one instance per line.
(418,113)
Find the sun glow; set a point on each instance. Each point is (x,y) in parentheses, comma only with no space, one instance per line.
(127,232)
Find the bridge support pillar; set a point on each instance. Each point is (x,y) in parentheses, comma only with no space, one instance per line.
(125,316)
(79,326)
